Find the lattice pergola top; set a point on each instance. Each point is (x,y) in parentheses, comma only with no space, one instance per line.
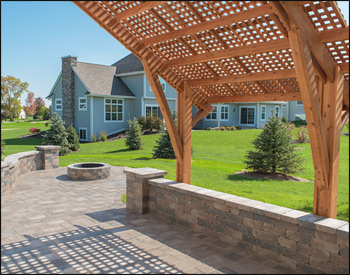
(227,51)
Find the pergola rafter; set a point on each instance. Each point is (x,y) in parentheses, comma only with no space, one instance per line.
(231,51)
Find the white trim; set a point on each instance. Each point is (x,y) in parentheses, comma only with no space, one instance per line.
(83,128)
(239,116)
(91,117)
(104,111)
(217,112)
(262,112)
(131,73)
(113,96)
(82,97)
(75,72)
(54,85)
(147,97)
(228,112)
(60,98)
(297,104)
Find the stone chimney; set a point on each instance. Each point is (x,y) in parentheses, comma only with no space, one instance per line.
(68,62)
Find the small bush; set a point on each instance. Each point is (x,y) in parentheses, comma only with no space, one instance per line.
(233,128)
(163,148)
(284,119)
(94,138)
(142,122)
(209,128)
(73,139)
(303,134)
(222,128)
(238,127)
(158,124)
(34,130)
(47,123)
(149,123)
(291,126)
(103,135)
(134,139)
(299,123)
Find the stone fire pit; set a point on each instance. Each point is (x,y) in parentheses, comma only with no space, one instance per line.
(88,171)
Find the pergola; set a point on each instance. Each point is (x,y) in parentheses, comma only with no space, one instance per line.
(242,51)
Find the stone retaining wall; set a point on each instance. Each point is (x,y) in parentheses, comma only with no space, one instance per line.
(17,164)
(305,242)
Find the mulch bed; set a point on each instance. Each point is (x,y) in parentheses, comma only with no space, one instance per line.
(277,176)
(38,135)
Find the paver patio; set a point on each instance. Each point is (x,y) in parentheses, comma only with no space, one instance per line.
(51,224)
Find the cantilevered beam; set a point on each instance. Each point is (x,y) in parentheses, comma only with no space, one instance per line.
(137,9)
(216,23)
(334,35)
(346,94)
(255,98)
(344,67)
(289,73)
(280,44)
(199,115)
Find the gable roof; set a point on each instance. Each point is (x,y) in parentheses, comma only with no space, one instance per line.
(101,79)
(128,64)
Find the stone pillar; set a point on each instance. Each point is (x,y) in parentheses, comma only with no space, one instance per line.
(50,156)
(137,188)
(68,62)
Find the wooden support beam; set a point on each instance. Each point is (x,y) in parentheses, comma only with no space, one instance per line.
(277,7)
(199,115)
(230,53)
(346,94)
(344,118)
(334,35)
(344,67)
(289,73)
(307,84)
(212,24)
(325,199)
(255,98)
(137,9)
(163,105)
(184,125)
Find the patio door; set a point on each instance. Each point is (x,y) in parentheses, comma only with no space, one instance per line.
(247,116)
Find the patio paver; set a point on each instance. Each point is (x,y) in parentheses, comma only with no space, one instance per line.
(51,224)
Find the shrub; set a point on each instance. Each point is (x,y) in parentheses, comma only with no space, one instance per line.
(34,130)
(94,138)
(46,114)
(233,128)
(273,150)
(299,123)
(3,148)
(149,123)
(47,123)
(209,128)
(134,139)
(302,134)
(57,135)
(142,122)
(73,139)
(222,128)
(284,119)
(238,127)
(158,124)
(291,126)
(163,148)
(103,135)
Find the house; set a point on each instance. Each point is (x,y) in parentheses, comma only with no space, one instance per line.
(95,98)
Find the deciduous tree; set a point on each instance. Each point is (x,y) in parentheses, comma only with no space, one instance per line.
(31,105)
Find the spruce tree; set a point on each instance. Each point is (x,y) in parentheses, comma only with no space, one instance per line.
(73,139)
(273,150)
(163,148)
(134,139)
(57,135)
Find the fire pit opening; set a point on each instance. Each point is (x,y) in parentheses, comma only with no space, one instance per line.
(88,171)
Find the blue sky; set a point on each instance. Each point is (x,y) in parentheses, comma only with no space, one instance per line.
(36,34)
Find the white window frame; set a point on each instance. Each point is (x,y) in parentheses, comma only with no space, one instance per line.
(298,104)
(56,108)
(152,105)
(239,116)
(85,133)
(295,115)
(82,109)
(104,110)
(261,112)
(228,112)
(217,114)
(279,113)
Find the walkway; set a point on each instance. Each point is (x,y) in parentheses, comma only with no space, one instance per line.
(51,224)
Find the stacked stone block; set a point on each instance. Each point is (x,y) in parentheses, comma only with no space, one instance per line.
(75,172)
(296,239)
(68,62)
(24,162)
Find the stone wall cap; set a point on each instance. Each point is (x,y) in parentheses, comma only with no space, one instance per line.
(13,159)
(47,147)
(4,164)
(145,172)
(343,230)
(330,225)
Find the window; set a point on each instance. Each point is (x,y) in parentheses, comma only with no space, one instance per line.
(277,111)
(59,104)
(247,116)
(153,111)
(299,102)
(224,112)
(82,133)
(263,113)
(163,87)
(299,117)
(82,103)
(113,109)
(213,114)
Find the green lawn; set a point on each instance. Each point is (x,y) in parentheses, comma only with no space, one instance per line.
(217,156)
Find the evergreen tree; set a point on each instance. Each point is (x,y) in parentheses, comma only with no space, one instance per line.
(163,148)
(73,139)
(134,139)
(57,135)
(274,151)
